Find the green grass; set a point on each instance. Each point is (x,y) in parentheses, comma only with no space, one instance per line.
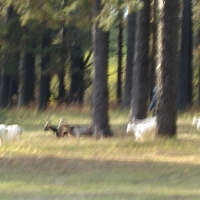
(41,166)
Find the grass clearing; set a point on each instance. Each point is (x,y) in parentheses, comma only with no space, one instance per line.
(41,166)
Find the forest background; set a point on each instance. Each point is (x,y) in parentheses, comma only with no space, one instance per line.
(47,45)
(50,49)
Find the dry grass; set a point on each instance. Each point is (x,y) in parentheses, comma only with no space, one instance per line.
(41,166)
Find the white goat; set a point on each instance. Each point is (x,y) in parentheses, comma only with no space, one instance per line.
(14,132)
(142,130)
(3,132)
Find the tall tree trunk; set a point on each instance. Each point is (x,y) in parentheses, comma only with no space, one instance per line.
(131,30)
(5,80)
(185,68)
(10,64)
(77,81)
(120,56)
(197,45)
(61,72)
(28,78)
(140,82)
(44,92)
(100,119)
(153,46)
(61,86)
(14,80)
(167,68)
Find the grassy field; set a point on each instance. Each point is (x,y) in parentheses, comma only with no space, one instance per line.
(41,166)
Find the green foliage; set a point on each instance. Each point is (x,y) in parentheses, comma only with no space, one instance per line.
(108,15)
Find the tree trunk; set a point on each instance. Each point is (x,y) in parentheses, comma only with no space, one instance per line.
(28,78)
(44,92)
(77,81)
(185,68)
(61,86)
(131,30)
(14,81)
(140,82)
(167,68)
(61,72)
(10,64)
(100,118)
(120,56)
(5,80)
(153,47)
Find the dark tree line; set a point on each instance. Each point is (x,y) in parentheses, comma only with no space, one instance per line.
(35,52)
(60,42)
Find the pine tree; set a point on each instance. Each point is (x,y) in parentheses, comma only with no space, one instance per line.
(140,81)
(131,30)
(10,64)
(167,68)
(100,120)
(185,68)
(44,92)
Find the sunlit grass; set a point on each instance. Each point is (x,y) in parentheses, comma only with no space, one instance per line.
(41,166)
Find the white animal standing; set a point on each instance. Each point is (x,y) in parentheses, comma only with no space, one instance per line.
(142,130)
(14,132)
(3,132)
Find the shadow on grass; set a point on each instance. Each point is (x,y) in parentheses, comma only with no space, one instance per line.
(29,177)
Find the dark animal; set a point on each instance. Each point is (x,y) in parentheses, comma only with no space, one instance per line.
(54,128)
(74,130)
(63,129)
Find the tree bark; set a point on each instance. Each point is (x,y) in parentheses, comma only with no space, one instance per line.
(153,47)
(5,80)
(14,80)
(62,68)
(77,78)
(120,56)
(10,64)
(131,30)
(140,81)
(100,118)
(185,67)
(44,92)
(28,78)
(167,68)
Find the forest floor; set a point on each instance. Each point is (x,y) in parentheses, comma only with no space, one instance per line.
(40,166)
